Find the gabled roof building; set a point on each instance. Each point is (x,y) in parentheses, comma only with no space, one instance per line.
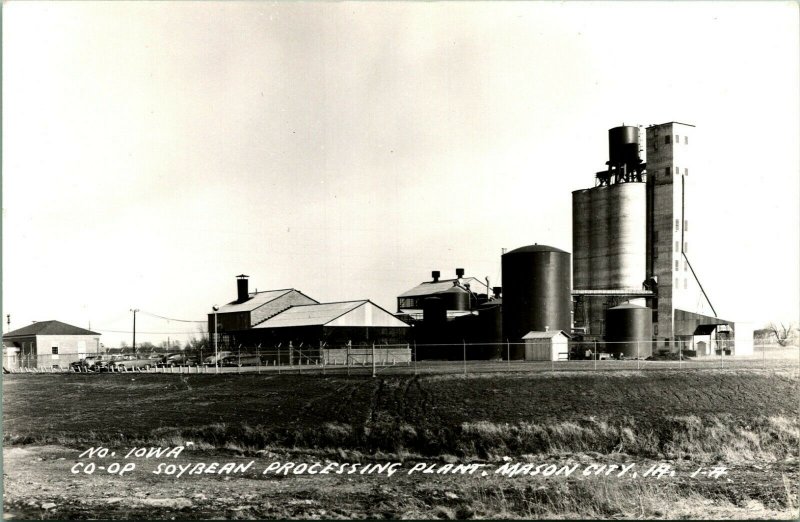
(287,316)
(45,344)
(252,308)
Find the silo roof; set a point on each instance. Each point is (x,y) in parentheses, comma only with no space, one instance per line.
(536,248)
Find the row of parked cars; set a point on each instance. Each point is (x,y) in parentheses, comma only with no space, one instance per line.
(122,362)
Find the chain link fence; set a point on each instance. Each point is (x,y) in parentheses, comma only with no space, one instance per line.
(535,355)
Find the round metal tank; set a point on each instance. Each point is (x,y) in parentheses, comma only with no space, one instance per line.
(626,252)
(434,311)
(455,298)
(623,144)
(536,292)
(581,226)
(629,330)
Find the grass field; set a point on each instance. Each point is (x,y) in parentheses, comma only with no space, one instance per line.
(746,420)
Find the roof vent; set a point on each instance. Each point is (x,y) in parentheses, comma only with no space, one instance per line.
(459,273)
(435,275)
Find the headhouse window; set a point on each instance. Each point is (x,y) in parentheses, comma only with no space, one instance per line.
(666,139)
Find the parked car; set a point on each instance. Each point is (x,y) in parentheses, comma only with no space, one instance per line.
(91,363)
(135,361)
(243,360)
(211,360)
(179,359)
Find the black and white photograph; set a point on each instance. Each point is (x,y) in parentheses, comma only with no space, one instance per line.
(400,260)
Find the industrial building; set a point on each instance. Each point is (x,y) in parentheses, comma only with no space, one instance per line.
(48,344)
(289,317)
(631,240)
(251,308)
(446,313)
(630,285)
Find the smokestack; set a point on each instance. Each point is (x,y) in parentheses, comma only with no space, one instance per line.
(459,273)
(435,275)
(241,287)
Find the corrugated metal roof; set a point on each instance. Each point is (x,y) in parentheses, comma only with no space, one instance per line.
(544,335)
(256,300)
(476,285)
(310,315)
(49,328)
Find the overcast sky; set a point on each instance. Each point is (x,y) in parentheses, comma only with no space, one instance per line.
(152,151)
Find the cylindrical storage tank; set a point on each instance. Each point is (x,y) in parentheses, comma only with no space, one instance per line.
(629,330)
(599,239)
(455,298)
(536,292)
(434,311)
(623,144)
(581,223)
(626,251)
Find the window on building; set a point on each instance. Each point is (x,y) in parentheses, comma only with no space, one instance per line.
(666,172)
(55,350)
(686,171)
(686,140)
(677,140)
(677,285)
(677,225)
(666,140)
(677,247)
(685,224)
(685,246)
(685,283)
(677,267)
(655,329)
(677,170)
(685,265)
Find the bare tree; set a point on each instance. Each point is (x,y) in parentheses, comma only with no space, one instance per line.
(784,334)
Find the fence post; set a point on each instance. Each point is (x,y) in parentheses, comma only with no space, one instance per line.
(279,359)
(637,355)
(415,357)
(595,355)
(348,356)
(508,354)
(464,343)
(373,359)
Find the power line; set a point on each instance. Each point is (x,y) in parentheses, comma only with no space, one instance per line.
(139,331)
(170,318)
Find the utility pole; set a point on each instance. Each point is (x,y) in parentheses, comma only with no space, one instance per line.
(216,351)
(134,310)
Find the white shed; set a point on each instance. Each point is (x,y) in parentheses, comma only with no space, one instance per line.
(546,346)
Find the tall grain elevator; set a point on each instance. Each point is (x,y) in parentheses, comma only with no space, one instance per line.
(630,236)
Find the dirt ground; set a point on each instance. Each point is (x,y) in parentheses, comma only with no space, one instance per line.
(39,484)
(562,418)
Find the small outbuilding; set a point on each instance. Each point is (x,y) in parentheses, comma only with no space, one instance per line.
(47,344)
(546,346)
